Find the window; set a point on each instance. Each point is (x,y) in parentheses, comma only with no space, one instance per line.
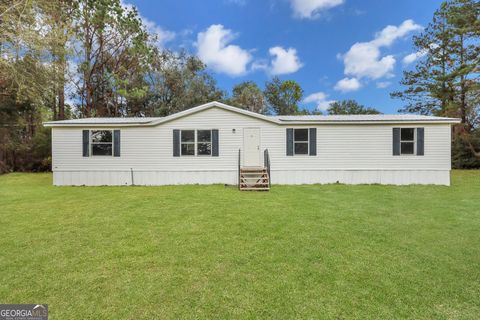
(300,141)
(102,142)
(196,142)
(187,142)
(407,141)
(204,142)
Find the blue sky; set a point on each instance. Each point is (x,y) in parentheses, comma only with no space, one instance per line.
(336,49)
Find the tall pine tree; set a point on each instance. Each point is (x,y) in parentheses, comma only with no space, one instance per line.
(445,81)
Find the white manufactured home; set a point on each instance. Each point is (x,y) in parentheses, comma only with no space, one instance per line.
(217,143)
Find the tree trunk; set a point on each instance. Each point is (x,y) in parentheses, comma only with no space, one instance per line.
(463,106)
(86,73)
(61,87)
(54,105)
(62,68)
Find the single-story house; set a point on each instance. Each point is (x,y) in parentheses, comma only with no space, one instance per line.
(218,143)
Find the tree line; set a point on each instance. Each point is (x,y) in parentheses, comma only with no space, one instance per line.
(62,59)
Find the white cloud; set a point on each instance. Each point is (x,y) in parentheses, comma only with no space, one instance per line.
(348,84)
(260,64)
(236,2)
(391,33)
(320,99)
(412,57)
(163,36)
(359,12)
(284,61)
(383,84)
(364,59)
(215,51)
(311,9)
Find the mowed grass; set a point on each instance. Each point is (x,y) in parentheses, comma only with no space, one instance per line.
(211,252)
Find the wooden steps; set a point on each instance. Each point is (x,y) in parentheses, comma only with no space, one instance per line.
(254,179)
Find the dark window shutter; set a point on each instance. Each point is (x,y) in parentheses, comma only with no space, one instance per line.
(420,141)
(176,143)
(313,141)
(214,143)
(86,142)
(116,143)
(289,142)
(396,141)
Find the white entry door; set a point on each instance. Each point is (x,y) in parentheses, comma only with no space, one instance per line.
(251,147)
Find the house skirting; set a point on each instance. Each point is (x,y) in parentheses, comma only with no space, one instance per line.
(154,177)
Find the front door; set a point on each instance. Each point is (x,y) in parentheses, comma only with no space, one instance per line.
(251,147)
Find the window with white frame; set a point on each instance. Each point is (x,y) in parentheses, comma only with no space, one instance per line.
(196,142)
(407,141)
(204,142)
(300,141)
(101,142)
(187,142)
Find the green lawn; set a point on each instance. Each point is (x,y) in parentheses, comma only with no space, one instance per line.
(332,251)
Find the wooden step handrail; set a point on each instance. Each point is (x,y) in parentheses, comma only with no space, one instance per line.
(266,163)
(239,173)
